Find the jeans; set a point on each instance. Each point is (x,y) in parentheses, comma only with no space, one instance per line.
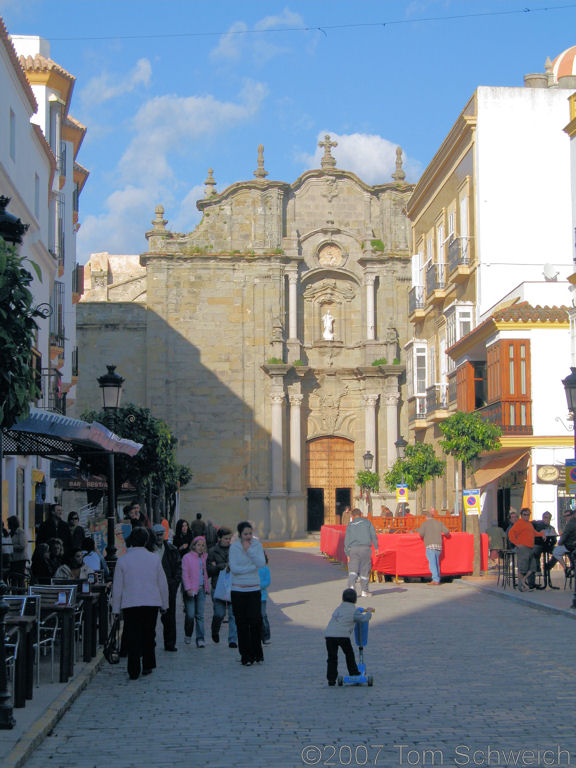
(332,645)
(433,556)
(359,564)
(265,622)
(195,612)
(169,621)
(218,617)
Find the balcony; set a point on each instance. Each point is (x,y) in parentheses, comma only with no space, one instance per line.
(436,282)
(437,402)
(77,283)
(459,259)
(52,398)
(512,416)
(417,412)
(416,301)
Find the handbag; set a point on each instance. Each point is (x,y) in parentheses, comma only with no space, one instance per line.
(112,644)
(223,586)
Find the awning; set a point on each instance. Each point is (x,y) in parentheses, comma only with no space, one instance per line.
(44,433)
(498,466)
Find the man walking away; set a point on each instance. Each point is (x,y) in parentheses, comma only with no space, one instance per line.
(358,540)
(431,532)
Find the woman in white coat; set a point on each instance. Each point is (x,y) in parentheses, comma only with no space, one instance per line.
(139,590)
(246,557)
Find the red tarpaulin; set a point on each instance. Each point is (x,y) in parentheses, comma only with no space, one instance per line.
(405,555)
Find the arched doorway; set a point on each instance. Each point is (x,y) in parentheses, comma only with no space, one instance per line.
(329,480)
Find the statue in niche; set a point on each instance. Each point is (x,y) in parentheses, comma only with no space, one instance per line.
(328,326)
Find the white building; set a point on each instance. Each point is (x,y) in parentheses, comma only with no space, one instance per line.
(491,222)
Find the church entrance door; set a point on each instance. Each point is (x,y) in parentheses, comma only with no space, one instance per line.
(330,467)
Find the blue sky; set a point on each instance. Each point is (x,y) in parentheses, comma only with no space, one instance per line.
(170,88)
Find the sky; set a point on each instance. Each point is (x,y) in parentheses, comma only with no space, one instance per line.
(170,88)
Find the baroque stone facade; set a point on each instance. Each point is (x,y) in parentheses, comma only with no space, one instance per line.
(254,337)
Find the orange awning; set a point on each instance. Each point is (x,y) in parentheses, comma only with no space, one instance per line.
(495,468)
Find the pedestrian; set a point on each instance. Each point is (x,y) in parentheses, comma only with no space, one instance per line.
(196,586)
(198,526)
(246,557)
(264,584)
(358,539)
(77,534)
(216,563)
(54,528)
(18,559)
(522,535)
(183,537)
(172,565)
(140,590)
(338,631)
(431,532)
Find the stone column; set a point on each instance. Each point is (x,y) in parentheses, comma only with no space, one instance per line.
(391,403)
(277,452)
(292,304)
(295,444)
(370,429)
(369,280)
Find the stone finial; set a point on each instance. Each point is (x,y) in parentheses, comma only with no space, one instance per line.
(328,161)
(260,172)
(549,71)
(159,222)
(399,174)
(210,184)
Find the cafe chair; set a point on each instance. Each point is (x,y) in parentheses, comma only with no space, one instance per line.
(46,633)
(11,642)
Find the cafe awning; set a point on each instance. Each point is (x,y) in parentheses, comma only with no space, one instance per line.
(45,433)
(498,466)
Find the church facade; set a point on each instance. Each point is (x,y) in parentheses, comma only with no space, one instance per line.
(268,338)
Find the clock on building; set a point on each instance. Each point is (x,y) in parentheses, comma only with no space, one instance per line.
(330,256)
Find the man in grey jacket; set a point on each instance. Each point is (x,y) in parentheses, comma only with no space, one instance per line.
(360,535)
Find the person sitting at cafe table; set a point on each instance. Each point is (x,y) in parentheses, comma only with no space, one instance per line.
(522,535)
(93,559)
(74,568)
(567,541)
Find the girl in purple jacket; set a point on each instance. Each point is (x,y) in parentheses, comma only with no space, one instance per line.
(196,586)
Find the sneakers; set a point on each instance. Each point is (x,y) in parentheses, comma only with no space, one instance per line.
(232,645)
(266,642)
(215,637)
(187,640)
(200,644)
(331,682)
(364,593)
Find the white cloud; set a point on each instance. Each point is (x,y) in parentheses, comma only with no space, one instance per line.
(238,41)
(369,156)
(146,175)
(108,86)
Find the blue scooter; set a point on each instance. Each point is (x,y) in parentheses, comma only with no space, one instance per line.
(361,640)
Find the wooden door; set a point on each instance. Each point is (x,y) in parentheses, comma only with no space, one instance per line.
(330,466)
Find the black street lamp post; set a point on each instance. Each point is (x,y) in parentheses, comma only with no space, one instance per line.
(569,384)
(111,385)
(12,231)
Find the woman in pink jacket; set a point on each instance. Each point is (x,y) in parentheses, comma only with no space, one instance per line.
(196,586)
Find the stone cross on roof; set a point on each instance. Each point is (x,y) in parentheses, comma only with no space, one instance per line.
(260,172)
(399,175)
(328,161)
(210,184)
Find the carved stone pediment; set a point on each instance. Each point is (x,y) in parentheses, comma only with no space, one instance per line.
(330,291)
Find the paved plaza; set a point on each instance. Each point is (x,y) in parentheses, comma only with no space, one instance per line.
(461,678)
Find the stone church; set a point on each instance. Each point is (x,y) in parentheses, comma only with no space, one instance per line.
(268,338)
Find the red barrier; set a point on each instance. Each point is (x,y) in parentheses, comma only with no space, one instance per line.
(405,555)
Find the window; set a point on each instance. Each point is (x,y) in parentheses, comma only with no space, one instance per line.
(432,368)
(12,135)
(440,243)
(417,269)
(451,224)
(459,323)
(464,217)
(416,368)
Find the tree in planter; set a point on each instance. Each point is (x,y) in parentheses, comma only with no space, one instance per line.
(466,436)
(18,384)
(154,471)
(419,465)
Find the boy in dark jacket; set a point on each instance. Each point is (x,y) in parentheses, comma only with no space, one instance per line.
(338,633)
(217,562)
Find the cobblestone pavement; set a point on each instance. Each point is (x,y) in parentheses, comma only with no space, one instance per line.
(461,678)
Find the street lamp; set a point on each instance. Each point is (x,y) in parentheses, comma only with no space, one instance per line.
(111,385)
(368,459)
(12,230)
(569,384)
(400,446)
